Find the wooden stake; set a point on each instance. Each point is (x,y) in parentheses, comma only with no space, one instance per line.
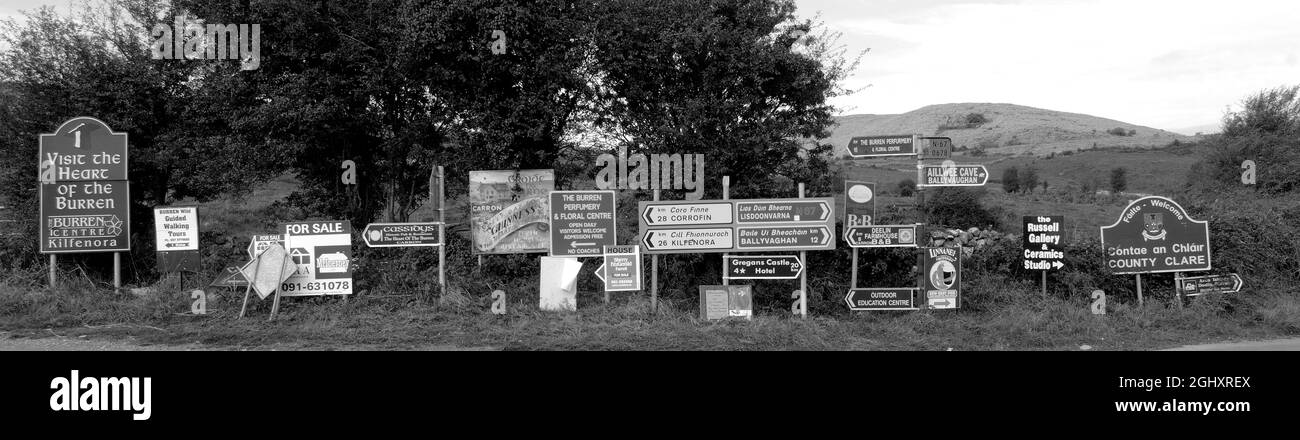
(654,274)
(442,218)
(117,271)
(1178,291)
(803,278)
(54,264)
(1139,284)
(853,279)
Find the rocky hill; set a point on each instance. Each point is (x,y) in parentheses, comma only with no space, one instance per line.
(1005,129)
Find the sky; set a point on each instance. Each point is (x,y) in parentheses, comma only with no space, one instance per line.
(1169,64)
(1173,65)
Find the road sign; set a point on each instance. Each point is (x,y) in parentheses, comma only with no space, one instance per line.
(941,277)
(882,146)
(953,175)
(881,299)
(582,223)
(784,211)
(720,302)
(322,251)
(621,270)
(1194,286)
(176,238)
(881,236)
(859,203)
(1043,242)
(737,225)
(779,238)
(85,194)
(509,211)
(687,214)
(936,148)
(689,240)
(752,267)
(1155,235)
(403,234)
(270,270)
(259,243)
(231,277)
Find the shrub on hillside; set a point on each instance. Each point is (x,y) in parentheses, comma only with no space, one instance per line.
(1118,180)
(906,188)
(1277,160)
(1011,180)
(960,208)
(1118,131)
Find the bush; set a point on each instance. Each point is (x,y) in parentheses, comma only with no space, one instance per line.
(1118,180)
(1277,161)
(1274,111)
(1011,180)
(975,119)
(1028,179)
(907,188)
(1118,131)
(960,208)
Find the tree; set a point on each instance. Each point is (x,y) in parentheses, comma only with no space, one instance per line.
(1118,180)
(1272,111)
(1266,131)
(730,79)
(1011,180)
(96,62)
(1028,179)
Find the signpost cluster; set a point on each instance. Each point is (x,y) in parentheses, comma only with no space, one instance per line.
(940,267)
(85,207)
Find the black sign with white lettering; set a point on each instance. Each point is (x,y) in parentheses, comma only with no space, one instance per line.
(1043,242)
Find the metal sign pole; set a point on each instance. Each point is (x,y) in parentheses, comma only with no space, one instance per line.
(654,274)
(803,278)
(1044,284)
(726,195)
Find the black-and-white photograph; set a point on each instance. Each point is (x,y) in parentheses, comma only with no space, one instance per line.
(652,175)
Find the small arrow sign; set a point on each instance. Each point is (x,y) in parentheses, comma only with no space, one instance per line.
(600,272)
(1057,265)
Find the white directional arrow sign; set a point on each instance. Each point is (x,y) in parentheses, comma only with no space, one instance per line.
(784,211)
(779,238)
(696,239)
(687,214)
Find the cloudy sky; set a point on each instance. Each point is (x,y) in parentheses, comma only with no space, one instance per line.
(1170,64)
